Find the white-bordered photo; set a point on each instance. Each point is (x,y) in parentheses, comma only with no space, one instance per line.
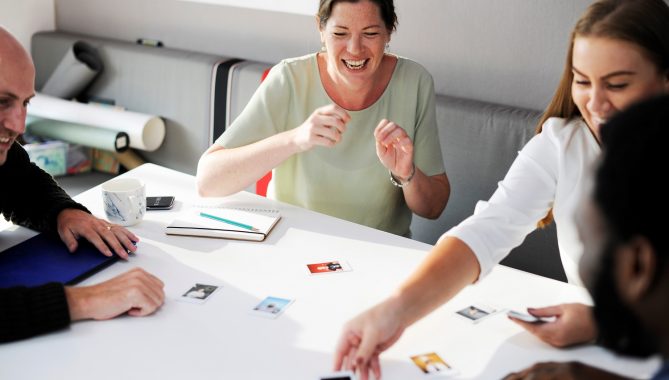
(431,364)
(476,313)
(271,307)
(198,293)
(333,266)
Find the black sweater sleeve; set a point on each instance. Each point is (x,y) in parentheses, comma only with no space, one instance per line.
(29,196)
(26,312)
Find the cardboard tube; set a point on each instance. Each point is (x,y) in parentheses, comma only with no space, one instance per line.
(129,159)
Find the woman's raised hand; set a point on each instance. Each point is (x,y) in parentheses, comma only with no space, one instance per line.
(323,127)
(394,148)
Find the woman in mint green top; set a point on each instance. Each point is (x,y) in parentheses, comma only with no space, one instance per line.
(350,131)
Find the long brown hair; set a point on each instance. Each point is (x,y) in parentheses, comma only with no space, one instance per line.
(644,23)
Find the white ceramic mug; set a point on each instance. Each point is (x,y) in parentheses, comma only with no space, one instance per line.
(124,200)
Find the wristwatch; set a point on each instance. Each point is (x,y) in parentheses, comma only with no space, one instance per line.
(398,183)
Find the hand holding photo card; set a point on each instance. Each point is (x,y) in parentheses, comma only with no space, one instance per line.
(271,307)
(329,267)
(476,313)
(198,293)
(433,364)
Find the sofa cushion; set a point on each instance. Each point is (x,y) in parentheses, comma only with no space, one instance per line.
(479,141)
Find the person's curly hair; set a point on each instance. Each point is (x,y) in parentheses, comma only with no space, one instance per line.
(628,189)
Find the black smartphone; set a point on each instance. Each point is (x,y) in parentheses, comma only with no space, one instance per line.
(159,203)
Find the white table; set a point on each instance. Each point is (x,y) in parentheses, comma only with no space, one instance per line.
(220,340)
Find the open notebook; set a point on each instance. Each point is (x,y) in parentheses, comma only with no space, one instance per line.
(223,223)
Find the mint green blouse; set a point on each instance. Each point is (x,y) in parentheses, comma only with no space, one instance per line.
(346,181)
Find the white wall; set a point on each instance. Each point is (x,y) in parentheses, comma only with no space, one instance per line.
(25,17)
(304,7)
(508,52)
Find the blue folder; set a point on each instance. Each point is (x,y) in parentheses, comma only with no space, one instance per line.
(45,258)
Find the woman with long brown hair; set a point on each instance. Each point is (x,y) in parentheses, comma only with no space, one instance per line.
(618,55)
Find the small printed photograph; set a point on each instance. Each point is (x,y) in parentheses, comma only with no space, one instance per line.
(476,312)
(342,375)
(198,293)
(432,364)
(271,307)
(329,267)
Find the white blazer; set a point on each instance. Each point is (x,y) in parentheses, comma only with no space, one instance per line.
(550,171)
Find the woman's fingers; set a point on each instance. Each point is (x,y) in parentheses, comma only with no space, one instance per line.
(335,110)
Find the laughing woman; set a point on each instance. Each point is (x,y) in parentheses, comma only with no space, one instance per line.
(349,131)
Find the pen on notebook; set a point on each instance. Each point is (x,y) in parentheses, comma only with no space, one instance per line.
(228,221)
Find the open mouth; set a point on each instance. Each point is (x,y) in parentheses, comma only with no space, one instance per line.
(355,65)
(6,141)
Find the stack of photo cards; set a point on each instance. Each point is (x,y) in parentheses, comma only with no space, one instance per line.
(478,312)
(198,293)
(432,365)
(271,307)
(334,266)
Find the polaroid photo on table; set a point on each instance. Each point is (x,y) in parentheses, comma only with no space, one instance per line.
(271,307)
(334,266)
(476,313)
(431,364)
(198,293)
(341,375)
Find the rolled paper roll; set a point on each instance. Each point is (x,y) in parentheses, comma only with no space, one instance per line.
(146,132)
(100,138)
(79,66)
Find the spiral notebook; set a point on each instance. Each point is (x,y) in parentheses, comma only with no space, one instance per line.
(224,223)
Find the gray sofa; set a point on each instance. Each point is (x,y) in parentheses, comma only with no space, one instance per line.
(479,141)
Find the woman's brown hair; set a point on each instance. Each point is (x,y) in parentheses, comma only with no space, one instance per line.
(644,23)
(386,8)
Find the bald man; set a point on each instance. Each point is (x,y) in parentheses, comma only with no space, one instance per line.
(30,197)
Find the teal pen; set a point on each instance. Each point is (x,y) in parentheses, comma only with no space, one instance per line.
(228,221)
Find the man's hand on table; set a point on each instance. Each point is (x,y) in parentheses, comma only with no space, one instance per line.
(106,237)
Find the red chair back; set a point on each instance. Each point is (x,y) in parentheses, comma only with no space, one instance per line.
(263,183)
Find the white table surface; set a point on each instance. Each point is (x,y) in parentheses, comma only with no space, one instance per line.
(220,340)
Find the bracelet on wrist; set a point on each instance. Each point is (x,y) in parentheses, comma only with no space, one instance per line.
(399,183)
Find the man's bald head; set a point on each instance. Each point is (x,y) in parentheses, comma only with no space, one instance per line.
(17,86)
(11,51)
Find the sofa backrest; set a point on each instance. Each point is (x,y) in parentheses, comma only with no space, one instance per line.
(479,141)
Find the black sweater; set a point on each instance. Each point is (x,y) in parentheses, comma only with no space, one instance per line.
(31,198)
